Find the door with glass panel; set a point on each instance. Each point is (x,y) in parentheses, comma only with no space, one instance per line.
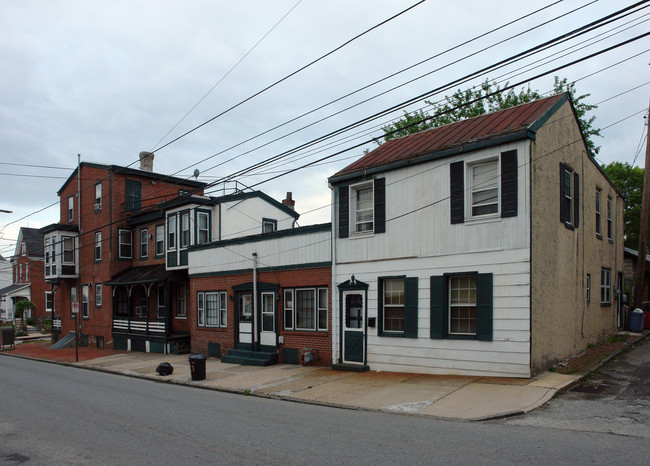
(268,332)
(245,317)
(354,341)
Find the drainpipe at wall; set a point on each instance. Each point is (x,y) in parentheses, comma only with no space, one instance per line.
(79,290)
(255,340)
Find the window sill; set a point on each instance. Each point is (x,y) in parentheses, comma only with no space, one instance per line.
(610,240)
(605,304)
(180,317)
(599,236)
(306,332)
(356,235)
(210,328)
(460,337)
(569,226)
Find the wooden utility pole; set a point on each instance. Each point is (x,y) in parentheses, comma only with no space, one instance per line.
(639,275)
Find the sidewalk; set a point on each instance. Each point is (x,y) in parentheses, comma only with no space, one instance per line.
(455,397)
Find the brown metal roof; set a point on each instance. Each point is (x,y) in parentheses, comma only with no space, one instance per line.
(473,130)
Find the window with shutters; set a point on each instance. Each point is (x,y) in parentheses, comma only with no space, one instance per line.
(461,306)
(569,197)
(598,230)
(609,219)
(483,188)
(605,286)
(133,195)
(362,208)
(398,306)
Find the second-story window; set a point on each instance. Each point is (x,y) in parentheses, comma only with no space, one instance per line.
(185,229)
(203,228)
(485,188)
(569,197)
(160,240)
(70,208)
(609,219)
(133,195)
(171,232)
(144,243)
(598,233)
(98,246)
(125,244)
(21,273)
(68,249)
(363,208)
(98,197)
(26,272)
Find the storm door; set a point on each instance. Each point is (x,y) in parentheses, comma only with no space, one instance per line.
(353,327)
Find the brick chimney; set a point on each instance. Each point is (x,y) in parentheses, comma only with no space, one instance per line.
(288,201)
(146,161)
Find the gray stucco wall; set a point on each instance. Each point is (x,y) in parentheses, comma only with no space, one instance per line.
(563,322)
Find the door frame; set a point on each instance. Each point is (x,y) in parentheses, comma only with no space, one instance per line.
(262,287)
(353,286)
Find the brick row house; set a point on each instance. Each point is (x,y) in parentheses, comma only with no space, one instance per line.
(27,282)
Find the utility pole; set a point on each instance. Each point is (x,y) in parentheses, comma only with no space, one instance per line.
(639,276)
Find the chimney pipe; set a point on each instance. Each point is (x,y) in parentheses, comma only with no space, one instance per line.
(146,161)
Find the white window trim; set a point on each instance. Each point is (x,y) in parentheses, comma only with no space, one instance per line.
(48,309)
(171,235)
(98,199)
(317,309)
(185,240)
(469,175)
(144,245)
(450,305)
(70,208)
(605,286)
(385,306)
(610,225)
(206,229)
(354,225)
(221,311)
(85,302)
(63,249)
(98,246)
(569,195)
(598,213)
(98,295)
(120,244)
(162,231)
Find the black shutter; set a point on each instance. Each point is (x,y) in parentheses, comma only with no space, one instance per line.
(344,212)
(509,183)
(457,192)
(576,200)
(380,205)
(438,307)
(380,307)
(411,307)
(563,213)
(484,314)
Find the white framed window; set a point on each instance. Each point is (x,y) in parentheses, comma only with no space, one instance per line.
(598,230)
(269,225)
(268,312)
(125,247)
(144,243)
(609,219)
(49,301)
(362,212)
(70,208)
(185,229)
(98,197)
(203,228)
(68,249)
(212,309)
(605,286)
(171,232)
(53,250)
(26,272)
(160,240)
(306,309)
(484,188)
(393,305)
(181,299)
(85,293)
(98,246)
(462,305)
(98,295)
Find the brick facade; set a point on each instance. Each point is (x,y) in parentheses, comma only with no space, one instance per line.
(297,340)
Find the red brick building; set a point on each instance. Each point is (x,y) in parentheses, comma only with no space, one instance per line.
(264,298)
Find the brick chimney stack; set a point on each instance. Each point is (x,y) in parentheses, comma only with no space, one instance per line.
(288,201)
(146,161)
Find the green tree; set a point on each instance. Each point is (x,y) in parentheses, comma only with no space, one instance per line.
(489,97)
(629,180)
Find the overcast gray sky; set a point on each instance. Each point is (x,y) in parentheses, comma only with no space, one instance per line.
(108,79)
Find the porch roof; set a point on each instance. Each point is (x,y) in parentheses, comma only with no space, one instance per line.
(145,274)
(9,290)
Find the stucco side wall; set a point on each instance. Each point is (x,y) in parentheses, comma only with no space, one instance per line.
(563,320)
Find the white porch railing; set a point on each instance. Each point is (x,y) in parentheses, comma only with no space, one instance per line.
(139,326)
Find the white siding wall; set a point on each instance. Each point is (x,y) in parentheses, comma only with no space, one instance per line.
(244,217)
(423,244)
(277,252)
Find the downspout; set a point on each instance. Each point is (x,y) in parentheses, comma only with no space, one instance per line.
(255,340)
(336,327)
(78,256)
(530,258)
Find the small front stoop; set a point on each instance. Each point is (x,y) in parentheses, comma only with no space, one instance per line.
(250,358)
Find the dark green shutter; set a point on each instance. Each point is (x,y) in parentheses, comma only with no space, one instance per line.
(344,212)
(380,307)
(576,200)
(438,307)
(509,183)
(484,314)
(132,192)
(457,192)
(564,215)
(380,205)
(411,307)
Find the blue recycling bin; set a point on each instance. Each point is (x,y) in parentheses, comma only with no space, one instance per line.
(635,320)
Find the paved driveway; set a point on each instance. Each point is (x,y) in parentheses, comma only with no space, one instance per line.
(615,399)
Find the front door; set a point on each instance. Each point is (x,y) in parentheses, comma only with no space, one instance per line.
(268,335)
(353,324)
(245,317)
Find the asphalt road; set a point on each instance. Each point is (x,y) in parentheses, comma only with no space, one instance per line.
(52,414)
(614,400)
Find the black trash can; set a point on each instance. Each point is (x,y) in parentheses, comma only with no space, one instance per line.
(197,366)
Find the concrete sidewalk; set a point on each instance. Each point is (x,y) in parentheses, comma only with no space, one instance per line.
(455,397)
